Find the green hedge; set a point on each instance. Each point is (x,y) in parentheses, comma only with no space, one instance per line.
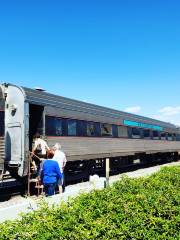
(144,208)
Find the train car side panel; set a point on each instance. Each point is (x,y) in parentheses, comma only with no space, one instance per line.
(82,148)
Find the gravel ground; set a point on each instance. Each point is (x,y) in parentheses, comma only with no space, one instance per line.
(16,200)
(13,201)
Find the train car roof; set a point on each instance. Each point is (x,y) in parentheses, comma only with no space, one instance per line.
(48,99)
(43,98)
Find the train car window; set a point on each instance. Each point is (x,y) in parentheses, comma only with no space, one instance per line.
(90,129)
(50,126)
(115,131)
(163,136)
(122,131)
(136,133)
(174,137)
(72,127)
(178,137)
(169,137)
(155,135)
(81,128)
(106,129)
(58,124)
(53,126)
(129,132)
(146,133)
(1,123)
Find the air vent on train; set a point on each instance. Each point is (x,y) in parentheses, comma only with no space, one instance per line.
(40,89)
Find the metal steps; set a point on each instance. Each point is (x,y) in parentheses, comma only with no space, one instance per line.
(2,150)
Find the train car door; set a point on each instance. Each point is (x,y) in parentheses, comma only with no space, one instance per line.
(14,129)
(14,143)
(36,122)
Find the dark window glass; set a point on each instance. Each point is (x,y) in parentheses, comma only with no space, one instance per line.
(81,128)
(122,131)
(155,134)
(163,136)
(115,130)
(178,137)
(146,133)
(106,129)
(72,127)
(136,133)
(58,123)
(53,126)
(97,129)
(1,123)
(169,137)
(90,129)
(50,126)
(129,132)
(174,137)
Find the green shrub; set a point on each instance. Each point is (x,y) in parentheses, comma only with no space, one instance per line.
(144,208)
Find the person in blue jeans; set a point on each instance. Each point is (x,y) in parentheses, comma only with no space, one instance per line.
(50,174)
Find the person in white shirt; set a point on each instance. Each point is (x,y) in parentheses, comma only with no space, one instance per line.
(40,146)
(60,157)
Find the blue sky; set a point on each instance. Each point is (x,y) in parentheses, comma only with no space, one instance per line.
(122,54)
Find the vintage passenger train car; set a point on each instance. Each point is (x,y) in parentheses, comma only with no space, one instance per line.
(88,133)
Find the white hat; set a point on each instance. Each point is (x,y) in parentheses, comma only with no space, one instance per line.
(57,146)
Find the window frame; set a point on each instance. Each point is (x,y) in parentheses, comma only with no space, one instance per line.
(106,125)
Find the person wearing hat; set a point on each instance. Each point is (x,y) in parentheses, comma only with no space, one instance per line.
(60,157)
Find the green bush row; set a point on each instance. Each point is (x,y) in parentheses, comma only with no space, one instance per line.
(144,208)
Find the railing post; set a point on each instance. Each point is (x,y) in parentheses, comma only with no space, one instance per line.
(29,174)
(107,172)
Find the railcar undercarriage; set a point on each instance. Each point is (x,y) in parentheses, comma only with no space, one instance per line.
(81,170)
